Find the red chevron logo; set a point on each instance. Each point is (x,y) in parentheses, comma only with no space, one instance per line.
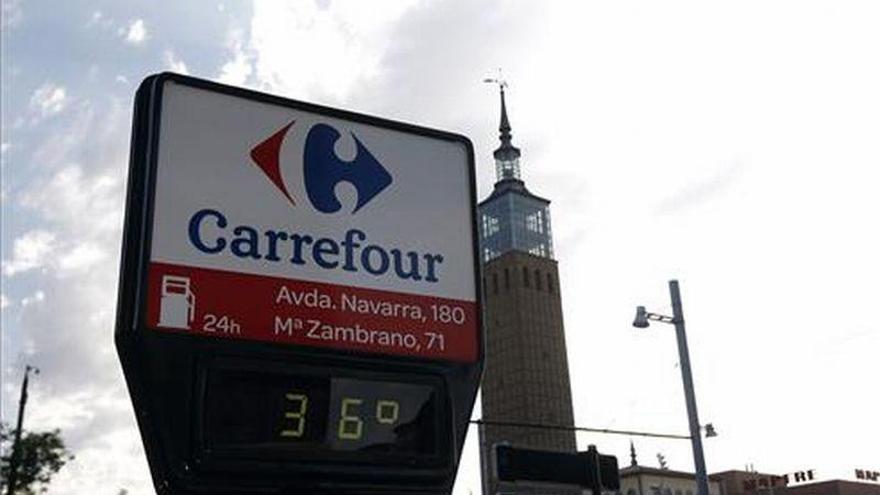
(266,157)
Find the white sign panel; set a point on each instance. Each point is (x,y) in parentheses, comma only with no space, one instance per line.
(311,227)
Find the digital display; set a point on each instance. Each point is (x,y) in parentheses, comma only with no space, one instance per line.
(288,411)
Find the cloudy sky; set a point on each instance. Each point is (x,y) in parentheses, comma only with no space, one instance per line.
(731,145)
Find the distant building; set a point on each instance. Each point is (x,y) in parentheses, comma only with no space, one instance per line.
(644,480)
(831,487)
(526,378)
(735,482)
(751,483)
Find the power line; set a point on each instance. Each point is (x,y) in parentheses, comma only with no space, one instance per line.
(515,424)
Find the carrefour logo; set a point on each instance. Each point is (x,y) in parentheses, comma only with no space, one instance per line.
(323,170)
(212,232)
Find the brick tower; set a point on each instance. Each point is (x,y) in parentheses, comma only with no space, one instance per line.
(526,378)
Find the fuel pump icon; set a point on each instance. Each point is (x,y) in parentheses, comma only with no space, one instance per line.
(178,304)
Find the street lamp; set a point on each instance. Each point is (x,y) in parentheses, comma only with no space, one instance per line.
(642,320)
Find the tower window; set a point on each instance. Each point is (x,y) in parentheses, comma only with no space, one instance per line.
(535,222)
(489,254)
(507,169)
(495,283)
(490,225)
(506,279)
(526,276)
(539,250)
(550,283)
(537,279)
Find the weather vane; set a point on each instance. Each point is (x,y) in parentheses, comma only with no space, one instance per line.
(497,80)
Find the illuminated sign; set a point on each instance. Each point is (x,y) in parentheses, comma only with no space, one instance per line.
(299,297)
(315,412)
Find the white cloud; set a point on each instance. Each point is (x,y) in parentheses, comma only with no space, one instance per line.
(236,70)
(48,99)
(100,20)
(136,33)
(68,202)
(30,251)
(37,297)
(96,19)
(341,47)
(4,147)
(81,257)
(77,194)
(121,79)
(97,419)
(175,64)
(4,301)
(81,176)
(70,196)
(111,454)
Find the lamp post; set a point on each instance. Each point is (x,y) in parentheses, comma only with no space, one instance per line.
(677,319)
(16,444)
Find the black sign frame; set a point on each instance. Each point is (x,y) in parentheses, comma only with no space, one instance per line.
(154,362)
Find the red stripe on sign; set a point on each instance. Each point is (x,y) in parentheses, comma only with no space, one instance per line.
(221,304)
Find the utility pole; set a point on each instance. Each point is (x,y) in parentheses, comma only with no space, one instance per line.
(16,445)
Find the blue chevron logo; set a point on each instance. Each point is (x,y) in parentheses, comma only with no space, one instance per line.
(323,170)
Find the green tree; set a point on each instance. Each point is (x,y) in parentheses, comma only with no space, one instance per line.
(41,455)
